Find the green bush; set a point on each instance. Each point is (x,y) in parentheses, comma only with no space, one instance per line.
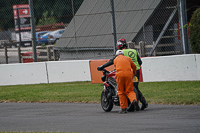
(195,31)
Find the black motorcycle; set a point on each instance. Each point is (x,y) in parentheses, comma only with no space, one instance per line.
(109,95)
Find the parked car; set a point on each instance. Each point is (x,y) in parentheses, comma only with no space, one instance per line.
(39,34)
(44,39)
(55,35)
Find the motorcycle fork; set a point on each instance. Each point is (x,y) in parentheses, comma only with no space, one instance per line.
(105,85)
(107,92)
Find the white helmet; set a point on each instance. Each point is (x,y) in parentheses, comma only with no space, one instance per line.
(118,52)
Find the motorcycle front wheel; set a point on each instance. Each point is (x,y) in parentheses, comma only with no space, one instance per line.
(106,104)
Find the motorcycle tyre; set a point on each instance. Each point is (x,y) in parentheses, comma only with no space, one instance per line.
(108,105)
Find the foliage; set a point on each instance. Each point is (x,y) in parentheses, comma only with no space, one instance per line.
(43,45)
(45,11)
(6,12)
(46,20)
(195,32)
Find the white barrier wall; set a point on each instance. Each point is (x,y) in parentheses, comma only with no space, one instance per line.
(198,65)
(23,73)
(165,68)
(68,71)
(44,72)
(171,68)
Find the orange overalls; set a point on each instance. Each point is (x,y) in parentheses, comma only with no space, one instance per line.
(124,78)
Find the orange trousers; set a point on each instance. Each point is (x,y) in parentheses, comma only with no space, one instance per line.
(125,88)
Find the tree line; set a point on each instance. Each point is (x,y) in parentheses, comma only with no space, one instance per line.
(45,11)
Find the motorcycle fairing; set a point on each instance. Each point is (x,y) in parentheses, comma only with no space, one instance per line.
(112,74)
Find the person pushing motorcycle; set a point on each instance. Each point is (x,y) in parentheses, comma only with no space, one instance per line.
(126,69)
(132,53)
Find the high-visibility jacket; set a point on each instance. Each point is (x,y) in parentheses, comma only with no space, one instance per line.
(132,53)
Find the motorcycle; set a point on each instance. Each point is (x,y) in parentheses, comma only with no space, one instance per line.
(109,95)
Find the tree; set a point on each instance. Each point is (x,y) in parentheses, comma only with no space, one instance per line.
(195,31)
(54,11)
(45,11)
(6,12)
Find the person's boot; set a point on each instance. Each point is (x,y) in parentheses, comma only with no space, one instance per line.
(144,103)
(135,103)
(137,108)
(144,106)
(123,111)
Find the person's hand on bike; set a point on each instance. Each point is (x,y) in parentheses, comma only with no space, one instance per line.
(100,68)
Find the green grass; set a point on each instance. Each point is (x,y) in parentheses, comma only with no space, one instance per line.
(59,92)
(187,92)
(177,92)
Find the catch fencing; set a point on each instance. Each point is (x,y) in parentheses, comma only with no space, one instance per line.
(159,35)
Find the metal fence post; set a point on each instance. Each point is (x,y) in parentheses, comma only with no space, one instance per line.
(19,54)
(154,52)
(184,27)
(48,53)
(6,53)
(33,30)
(114,27)
(142,48)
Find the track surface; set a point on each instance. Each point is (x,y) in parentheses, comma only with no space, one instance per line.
(90,118)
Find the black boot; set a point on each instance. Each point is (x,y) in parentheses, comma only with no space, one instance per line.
(141,97)
(123,111)
(135,103)
(144,103)
(144,106)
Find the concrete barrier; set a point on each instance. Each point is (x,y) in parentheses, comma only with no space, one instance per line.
(23,73)
(198,65)
(165,68)
(68,71)
(171,68)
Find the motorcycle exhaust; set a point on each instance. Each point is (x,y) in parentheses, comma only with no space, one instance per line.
(115,98)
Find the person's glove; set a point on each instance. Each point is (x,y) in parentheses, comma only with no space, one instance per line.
(100,68)
(135,79)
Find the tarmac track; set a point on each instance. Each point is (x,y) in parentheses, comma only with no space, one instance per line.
(90,118)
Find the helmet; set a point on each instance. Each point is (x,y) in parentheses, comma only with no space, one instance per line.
(121,43)
(118,52)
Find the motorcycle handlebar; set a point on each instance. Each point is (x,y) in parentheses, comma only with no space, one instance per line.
(105,70)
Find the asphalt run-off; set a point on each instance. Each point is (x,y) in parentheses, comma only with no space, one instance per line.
(90,118)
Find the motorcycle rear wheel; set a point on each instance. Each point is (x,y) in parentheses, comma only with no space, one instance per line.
(106,104)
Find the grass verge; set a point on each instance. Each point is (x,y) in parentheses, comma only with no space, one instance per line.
(176,92)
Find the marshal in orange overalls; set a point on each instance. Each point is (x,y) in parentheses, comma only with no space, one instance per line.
(126,69)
